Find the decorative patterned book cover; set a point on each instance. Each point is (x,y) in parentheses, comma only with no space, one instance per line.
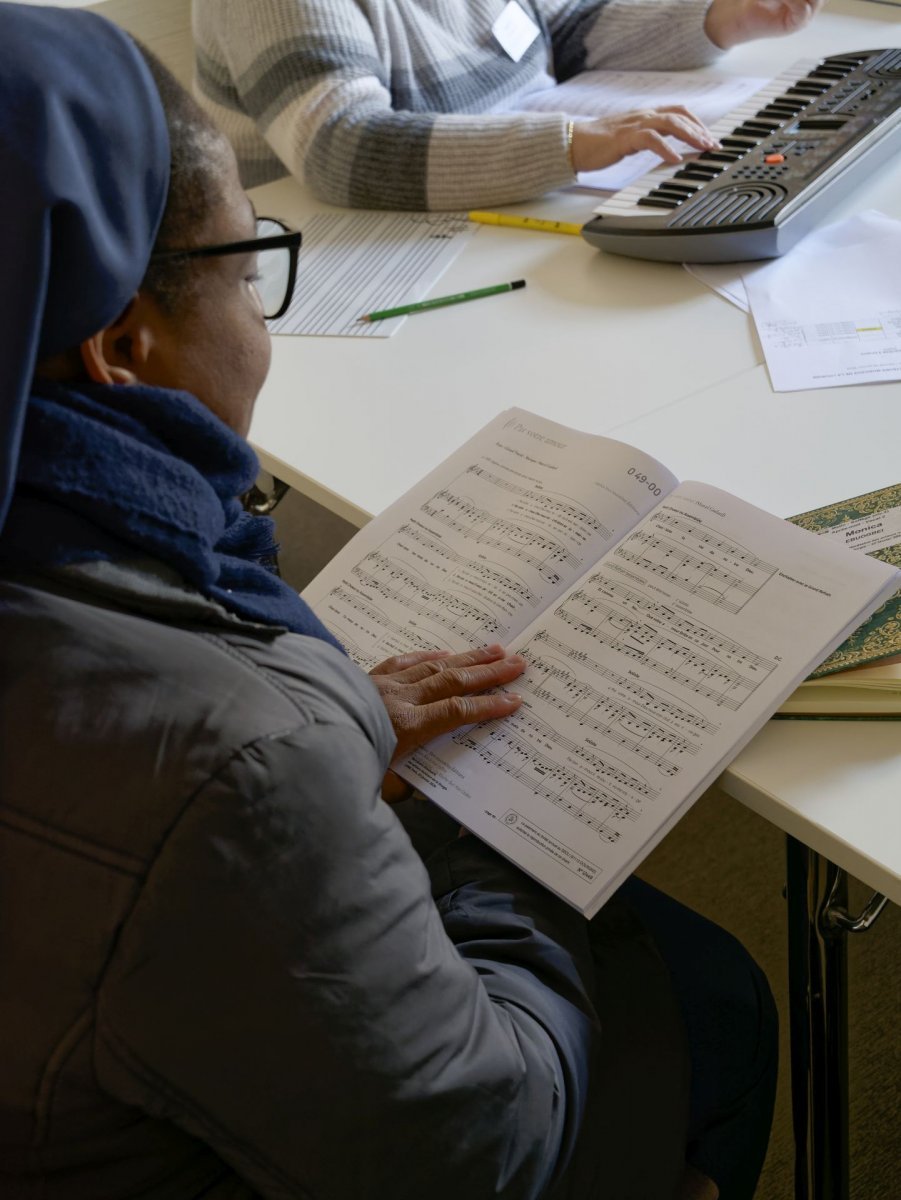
(873,523)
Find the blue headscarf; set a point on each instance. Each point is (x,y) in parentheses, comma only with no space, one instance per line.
(92,472)
(84,171)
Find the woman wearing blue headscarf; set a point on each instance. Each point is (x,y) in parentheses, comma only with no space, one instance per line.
(225,971)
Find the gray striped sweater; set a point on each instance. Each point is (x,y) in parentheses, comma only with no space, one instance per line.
(399,103)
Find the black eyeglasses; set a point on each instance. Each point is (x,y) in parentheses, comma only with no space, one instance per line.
(276,247)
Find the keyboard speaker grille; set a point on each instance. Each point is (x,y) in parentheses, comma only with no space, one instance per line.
(733,204)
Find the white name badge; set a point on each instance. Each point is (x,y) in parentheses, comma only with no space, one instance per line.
(515,30)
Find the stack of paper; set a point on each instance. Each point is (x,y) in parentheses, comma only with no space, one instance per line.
(829,312)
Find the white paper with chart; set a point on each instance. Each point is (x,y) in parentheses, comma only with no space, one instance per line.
(662,624)
(353,263)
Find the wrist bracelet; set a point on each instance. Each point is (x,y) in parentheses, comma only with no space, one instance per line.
(570,130)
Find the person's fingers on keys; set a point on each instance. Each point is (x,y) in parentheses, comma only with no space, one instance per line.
(606,140)
(689,127)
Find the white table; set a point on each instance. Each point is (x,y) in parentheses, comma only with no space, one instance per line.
(644,351)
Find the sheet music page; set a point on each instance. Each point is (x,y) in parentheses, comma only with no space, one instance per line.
(645,679)
(487,540)
(361,262)
(708,94)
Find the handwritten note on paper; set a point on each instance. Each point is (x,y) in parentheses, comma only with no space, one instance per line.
(708,94)
(829,312)
(354,263)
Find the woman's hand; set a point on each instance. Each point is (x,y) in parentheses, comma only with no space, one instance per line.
(430,692)
(606,140)
(730,22)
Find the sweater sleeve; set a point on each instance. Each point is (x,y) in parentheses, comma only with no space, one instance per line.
(287,991)
(312,80)
(628,35)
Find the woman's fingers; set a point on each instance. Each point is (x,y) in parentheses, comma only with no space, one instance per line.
(427,694)
(417,724)
(606,140)
(436,662)
(463,679)
(402,662)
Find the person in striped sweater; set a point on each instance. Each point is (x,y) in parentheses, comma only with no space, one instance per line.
(406,104)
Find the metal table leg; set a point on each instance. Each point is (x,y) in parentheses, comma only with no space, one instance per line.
(818,922)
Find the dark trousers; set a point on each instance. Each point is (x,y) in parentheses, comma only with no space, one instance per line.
(702,1093)
(687,1070)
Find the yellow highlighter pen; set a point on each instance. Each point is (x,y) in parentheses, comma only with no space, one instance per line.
(542,226)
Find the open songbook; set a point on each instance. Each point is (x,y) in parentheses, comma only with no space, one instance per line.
(663,623)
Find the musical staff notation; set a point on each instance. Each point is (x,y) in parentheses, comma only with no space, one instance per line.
(510,587)
(701,673)
(571,520)
(663,709)
(539,550)
(697,559)
(611,719)
(387,639)
(528,724)
(564,787)
(393,581)
(725,649)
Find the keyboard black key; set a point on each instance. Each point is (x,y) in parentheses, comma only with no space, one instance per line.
(693,173)
(658,202)
(724,156)
(808,89)
(821,122)
(760,125)
(673,198)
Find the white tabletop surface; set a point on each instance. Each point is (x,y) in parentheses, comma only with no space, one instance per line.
(835,786)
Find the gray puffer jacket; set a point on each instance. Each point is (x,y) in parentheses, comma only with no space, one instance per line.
(222,969)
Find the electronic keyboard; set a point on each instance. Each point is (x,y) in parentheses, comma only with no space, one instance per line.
(789,153)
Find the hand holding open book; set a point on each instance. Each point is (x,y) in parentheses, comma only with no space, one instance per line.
(663,623)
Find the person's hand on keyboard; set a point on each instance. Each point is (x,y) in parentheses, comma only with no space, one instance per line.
(730,22)
(605,140)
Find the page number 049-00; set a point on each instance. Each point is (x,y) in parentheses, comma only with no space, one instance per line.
(639,477)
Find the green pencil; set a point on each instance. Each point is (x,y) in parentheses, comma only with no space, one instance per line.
(441,301)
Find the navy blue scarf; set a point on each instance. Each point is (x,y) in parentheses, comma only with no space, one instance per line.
(111,472)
